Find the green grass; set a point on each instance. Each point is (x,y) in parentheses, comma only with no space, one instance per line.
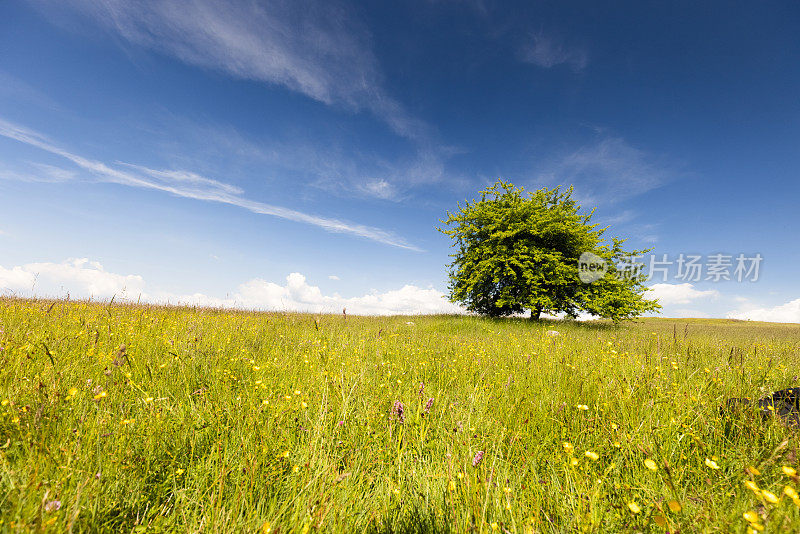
(220,421)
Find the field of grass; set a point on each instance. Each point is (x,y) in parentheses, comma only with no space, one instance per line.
(221,421)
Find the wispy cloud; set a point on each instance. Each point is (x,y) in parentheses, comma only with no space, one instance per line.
(14,88)
(607,171)
(547,51)
(190,185)
(318,49)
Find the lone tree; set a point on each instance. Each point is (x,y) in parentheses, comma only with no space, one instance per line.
(518,251)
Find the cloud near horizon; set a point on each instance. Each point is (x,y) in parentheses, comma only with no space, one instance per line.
(783,313)
(82,278)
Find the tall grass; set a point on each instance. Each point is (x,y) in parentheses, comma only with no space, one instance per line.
(222,421)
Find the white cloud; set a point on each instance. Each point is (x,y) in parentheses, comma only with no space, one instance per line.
(784,313)
(81,278)
(668,294)
(333,277)
(318,49)
(190,185)
(547,52)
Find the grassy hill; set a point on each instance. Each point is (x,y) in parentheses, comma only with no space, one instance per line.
(222,421)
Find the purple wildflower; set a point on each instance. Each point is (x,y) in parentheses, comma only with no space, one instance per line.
(399,411)
(52,506)
(477,459)
(421,388)
(429,405)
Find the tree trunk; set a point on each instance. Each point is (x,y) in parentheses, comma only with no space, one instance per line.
(535,313)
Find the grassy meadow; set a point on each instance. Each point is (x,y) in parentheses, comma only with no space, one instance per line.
(224,421)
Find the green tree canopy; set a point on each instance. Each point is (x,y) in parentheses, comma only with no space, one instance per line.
(519,251)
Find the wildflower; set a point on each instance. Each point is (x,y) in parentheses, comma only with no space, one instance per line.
(399,411)
(770,497)
(789,471)
(494,525)
(101,395)
(711,463)
(751,516)
(72,392)
(304,404)
(752,470)
(583,407)
(429,405)
(790,492)
(650,464)
(477,459)
(674,505)
(568,448)
(749,484)
(52,506)
(573,462)
(592,455)
(179,472)
(634,507)
(617,444)
(421,388)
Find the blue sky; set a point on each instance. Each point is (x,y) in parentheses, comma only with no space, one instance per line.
(298,155)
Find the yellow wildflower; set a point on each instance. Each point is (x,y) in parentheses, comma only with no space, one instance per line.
(770,497)
(591,455)
(711,463)
(634,507)
(789,471)
(650,464)
(751,516)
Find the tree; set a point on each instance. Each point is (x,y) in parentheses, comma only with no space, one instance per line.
(518,251)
